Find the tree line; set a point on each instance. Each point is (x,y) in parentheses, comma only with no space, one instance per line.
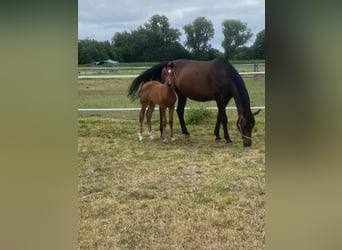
(157,41)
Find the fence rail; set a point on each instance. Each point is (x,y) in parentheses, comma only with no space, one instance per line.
(136,109)
(255,66)
(112,68)
(132,72)
(134,76)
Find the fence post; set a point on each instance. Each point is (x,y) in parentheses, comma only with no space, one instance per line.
(256,69)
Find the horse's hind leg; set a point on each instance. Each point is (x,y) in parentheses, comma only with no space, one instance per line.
(149,112)
(222,116)
(217,128)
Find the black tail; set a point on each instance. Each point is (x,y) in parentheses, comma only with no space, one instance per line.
(153,73)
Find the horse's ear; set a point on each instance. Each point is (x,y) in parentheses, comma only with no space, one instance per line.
(256,112)
(170,64)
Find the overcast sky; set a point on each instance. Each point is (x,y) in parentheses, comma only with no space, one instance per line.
(101,19)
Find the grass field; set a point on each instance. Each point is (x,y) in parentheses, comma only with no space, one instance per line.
(192,193)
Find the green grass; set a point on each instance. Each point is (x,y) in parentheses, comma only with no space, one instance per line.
(193,193)
(112,93)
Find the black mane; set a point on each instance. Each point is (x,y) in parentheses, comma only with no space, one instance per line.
(240,84)
(150,74)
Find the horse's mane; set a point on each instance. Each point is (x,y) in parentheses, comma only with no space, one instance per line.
(150,74)
(240,85)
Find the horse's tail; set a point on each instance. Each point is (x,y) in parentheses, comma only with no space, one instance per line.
(150,74)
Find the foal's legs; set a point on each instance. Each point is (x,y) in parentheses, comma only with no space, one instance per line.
(141,118)
(149,112)
(171,109)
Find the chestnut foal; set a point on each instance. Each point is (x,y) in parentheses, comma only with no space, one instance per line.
(163,94)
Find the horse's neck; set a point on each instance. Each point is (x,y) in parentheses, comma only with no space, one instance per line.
(240,107)
(241,104)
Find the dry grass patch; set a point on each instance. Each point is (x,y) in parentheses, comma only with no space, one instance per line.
(188,194)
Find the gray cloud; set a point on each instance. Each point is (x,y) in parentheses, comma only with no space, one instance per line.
(101,19)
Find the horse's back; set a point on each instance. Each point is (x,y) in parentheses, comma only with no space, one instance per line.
(206,70)
(151,84)
(201,80)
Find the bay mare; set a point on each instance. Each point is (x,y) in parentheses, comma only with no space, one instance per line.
(204,81)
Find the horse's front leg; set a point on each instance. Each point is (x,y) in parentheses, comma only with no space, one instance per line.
(180,111)
(163,114)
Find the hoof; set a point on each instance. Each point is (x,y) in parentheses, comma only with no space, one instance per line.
(140,136)
(229,142)
(173,138)
(165,140)
(150,135)
(218,139)
(187,135)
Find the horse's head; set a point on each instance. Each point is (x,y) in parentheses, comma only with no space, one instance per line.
(168,74)
(245,124)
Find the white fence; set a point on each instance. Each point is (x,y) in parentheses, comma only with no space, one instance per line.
(136,109)
(240,67)
(132,72)
(134,76)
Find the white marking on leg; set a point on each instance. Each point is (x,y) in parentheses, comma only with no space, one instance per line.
(173,138)
(150,134)
(140,136)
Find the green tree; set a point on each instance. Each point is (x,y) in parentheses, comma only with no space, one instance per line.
(83,54)
(243,53)
(88,51)
(123,45)
(159,27)
(236,34)
(159,38)
(154,41)
(198,35)
(259,45)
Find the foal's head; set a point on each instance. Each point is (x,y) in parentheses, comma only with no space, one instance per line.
(168,74)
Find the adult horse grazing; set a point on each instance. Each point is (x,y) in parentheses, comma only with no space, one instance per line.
(155,92)
(204,81)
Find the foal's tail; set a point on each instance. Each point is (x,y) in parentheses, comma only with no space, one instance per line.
(153,73)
